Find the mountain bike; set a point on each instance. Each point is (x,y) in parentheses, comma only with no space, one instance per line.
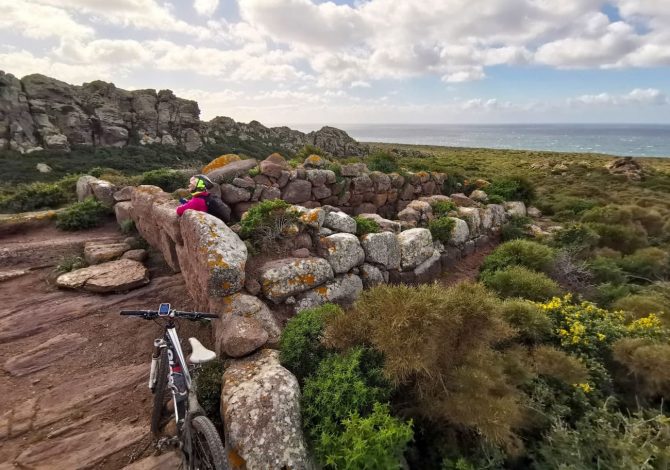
(197,438)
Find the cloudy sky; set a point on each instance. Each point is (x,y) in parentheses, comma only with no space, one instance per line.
(366,61)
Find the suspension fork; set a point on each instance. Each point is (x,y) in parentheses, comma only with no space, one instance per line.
(159,344)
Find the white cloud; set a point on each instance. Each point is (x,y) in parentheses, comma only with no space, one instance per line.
(23,63)
(638,96)
(39,21)
(206,7)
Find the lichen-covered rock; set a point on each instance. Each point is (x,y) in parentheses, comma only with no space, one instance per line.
(247,306)
(479,195)
(241,336)
(461,200)
(286,277)
(123,194)
(114,276)
(213,257)
(122,211)
(416,246)
(343,290)
(371,275)
(101,253)
(498,213)
(534,212)
(220,162)
(340,222)
(471,217)
(232,170)
(354,169)
(320,177)
(313,218)
(343,251)
(103,191)
(409,216)
(385,225)
(231,194)
(315,161)
(83,187)
(486,219)
(382,248)
(260,408)
(460,233)
(516,208)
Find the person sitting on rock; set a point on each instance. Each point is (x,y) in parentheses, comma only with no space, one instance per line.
(198,186)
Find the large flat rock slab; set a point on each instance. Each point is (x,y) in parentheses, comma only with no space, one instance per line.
(166,461)
(283,278)
(114,276)
(43,355)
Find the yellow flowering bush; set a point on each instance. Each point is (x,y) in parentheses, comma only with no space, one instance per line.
(650,327)
(584,328)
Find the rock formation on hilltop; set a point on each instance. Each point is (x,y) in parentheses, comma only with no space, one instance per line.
(39,112)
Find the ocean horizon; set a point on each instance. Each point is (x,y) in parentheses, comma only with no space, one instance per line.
(638,140)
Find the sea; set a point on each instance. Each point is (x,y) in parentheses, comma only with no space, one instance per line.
(640,140)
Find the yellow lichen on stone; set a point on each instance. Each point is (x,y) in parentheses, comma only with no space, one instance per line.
(221,161)
(314,160)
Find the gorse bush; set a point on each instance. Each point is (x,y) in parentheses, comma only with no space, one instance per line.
(647,264)
(526,253)
(532,324)
(624,238)
(376,441)
(641,305)
(578,238)
(512,189)
(384,162)
(364,226)
(166,179)
(442,228)
(517,227)
(517,281)
(646,365)
(82,215)
(300,346)
(438,345)
(308,150)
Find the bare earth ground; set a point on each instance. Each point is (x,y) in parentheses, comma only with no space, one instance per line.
(467,268)
(76,396)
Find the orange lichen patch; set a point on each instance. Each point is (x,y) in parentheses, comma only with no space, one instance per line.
(314,160)
(235,460)
(226,285)
(276,158)
(309,217)
(480,183)
(216,261)
(423,174)
(219,162)
(322,290)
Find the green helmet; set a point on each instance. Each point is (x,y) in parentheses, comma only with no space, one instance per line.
(203,183)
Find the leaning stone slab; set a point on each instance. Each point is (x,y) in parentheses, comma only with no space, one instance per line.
(260,406)
(290,276)
(472,218)
(343,251)
(241,336)
(460,233)
(416,246)
(232,170)
(113,276)
(212,258)
(340,222)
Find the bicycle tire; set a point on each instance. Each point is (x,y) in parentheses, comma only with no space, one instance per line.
(158,409)
(212,455)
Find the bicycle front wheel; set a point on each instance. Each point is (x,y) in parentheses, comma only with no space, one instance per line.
(208,451)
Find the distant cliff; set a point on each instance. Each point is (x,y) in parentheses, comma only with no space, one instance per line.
(39,112)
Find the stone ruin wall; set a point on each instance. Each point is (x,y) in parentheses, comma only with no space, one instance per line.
(326,261)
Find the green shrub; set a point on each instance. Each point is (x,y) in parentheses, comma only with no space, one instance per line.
(647,264)
(512,189)
(641,305)
(342,385)
(443,208)
(516,228)
(527,253)
(441,228)
(568,206)
(82,215)
(300,346)
(607,293)
(495,199)
(610,215)
(384,162)
(266,221)
(364,226)
(606,270)
(166,179)
(71,263)
(376,441)
(517,281)
(578,238)
(308,150)
(528,319)
(210,376)
(454,183)
(647,362)
(624,238)
(127,226)
(650,219)
(40,196)
(255,171)
(607,439)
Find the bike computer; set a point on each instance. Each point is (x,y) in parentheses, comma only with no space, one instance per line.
(164,310)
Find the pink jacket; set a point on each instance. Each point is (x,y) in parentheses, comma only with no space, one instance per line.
(195,204)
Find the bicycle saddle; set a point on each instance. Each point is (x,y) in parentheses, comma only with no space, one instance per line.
(199,353)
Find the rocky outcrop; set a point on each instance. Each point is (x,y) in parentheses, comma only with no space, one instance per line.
(39,112)
(628,167)
(260,408)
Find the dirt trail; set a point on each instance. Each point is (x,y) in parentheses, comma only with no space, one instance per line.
(72,386)
(467,268)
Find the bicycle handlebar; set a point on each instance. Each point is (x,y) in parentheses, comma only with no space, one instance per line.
(151,314)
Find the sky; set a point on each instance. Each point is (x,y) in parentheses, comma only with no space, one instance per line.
(312,62)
